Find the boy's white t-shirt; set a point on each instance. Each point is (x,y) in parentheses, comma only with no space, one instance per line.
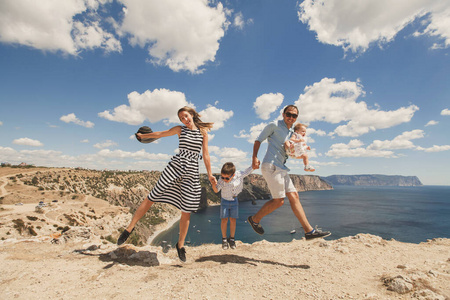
(231,189)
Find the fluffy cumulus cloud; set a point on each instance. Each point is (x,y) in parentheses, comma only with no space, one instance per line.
(253,133)
(229,154)
(445,112)
(266,104)
(355,149)
(431,123)
(435,148)
(402,141)
(72,118)
(216,115)
(183,35)
(354,25)
(154,106)
(50,25)
(141,154)
(105,144)
(336,102)
(28,142)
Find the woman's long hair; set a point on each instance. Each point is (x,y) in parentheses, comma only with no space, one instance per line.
(196,118)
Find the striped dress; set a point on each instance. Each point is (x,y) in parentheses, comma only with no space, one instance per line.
(179,183)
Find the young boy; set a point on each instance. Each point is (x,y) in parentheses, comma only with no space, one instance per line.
(296,146)
(231,183)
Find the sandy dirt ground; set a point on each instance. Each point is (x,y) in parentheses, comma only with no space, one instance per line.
(360,267)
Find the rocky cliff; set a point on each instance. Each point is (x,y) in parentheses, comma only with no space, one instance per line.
(128,189)
(373,180)
(255,187)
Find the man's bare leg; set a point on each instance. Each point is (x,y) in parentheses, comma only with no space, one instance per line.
(298,210)
(267,208)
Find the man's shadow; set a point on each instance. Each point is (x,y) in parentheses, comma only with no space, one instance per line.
(236,259)
(124,255)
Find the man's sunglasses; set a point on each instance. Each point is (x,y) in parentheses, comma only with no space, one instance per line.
(289,115)
(227,178)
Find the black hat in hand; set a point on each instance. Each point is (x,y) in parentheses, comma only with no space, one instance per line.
(143,130)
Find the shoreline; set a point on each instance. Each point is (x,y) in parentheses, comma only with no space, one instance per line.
(168,225)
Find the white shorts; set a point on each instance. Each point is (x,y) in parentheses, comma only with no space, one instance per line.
(278,180)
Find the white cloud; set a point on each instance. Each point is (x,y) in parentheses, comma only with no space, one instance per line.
(255,131)
(445,112)
(6,152)
(354,25)
(141,154)
(354,149)
(229,154)
(239,21)
(105,144)
(152,106)
(431,123)
(28,142)
(435,148)
(49,25)
(311,131)
(216,115)
(72,118)
(84,141)
(439,24)
(333,102)
(183,35)
(1,123)
(267,104)
(402,141)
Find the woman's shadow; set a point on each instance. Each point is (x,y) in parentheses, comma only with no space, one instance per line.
(237,259)
(124,255)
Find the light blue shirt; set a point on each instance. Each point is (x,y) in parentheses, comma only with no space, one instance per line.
(276,134)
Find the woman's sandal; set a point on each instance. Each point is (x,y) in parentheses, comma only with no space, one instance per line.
(123,236)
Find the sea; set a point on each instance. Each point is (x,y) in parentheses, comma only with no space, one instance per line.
(406,214)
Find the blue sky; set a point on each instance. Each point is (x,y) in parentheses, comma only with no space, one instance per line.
(371,79)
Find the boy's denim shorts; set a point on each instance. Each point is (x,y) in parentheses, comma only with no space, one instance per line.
(229,209)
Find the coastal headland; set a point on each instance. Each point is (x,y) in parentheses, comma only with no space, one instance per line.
(65,248)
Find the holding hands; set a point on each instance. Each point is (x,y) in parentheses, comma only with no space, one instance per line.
(255,163)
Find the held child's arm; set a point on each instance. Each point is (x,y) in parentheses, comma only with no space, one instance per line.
(297,140)
(206,158)
(214,187)
(160,134)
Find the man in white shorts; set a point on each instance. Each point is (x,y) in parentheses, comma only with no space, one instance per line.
(276,174)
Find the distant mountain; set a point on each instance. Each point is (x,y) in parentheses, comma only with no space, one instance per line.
(373,180)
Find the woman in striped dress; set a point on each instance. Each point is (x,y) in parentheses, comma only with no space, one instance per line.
(179,183)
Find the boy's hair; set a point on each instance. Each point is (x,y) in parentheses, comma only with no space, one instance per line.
(299,125)
(228,168)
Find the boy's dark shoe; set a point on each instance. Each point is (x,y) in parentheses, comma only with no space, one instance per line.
(256,226)
(123,236)
(317,233)
(224,244)
(181,253)
(232,243)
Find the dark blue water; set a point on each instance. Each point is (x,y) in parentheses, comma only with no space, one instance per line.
(406,214)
